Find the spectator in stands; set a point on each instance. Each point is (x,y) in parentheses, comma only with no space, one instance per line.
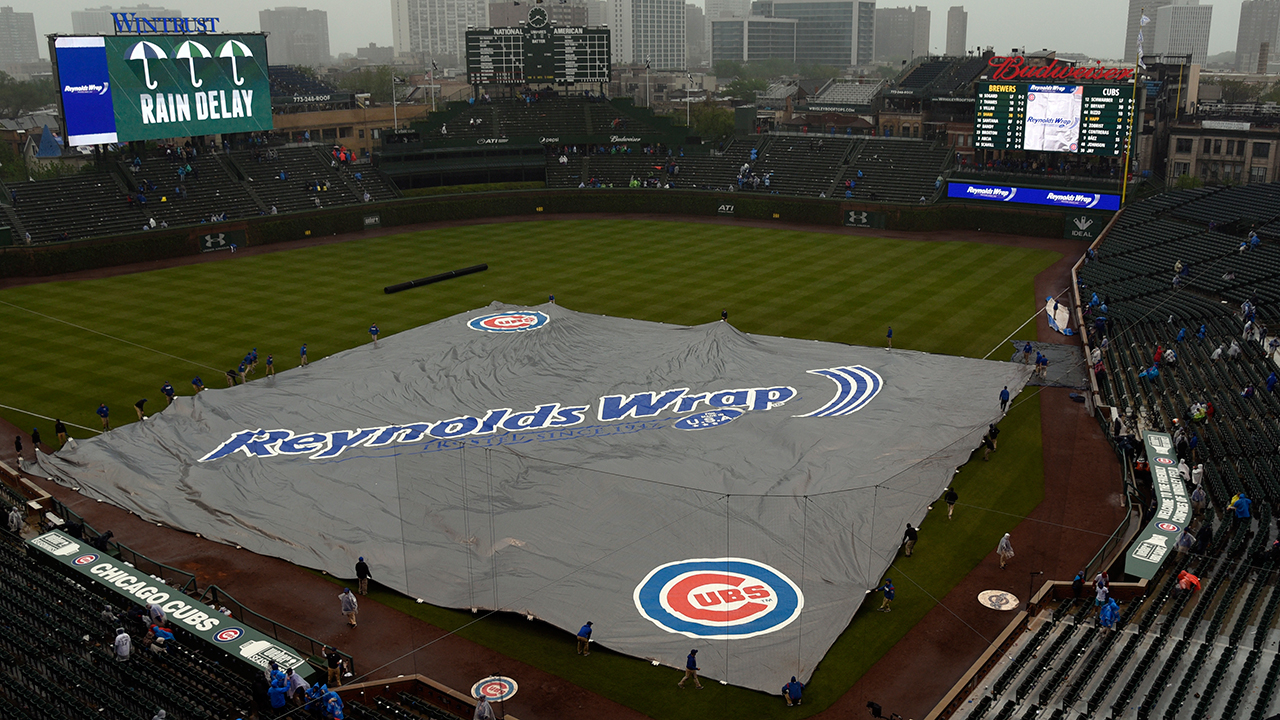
(1240,506)
(1077,585)
(1109,614)
(1217,354)
(484,711)
(1247,392)
(103,541)
(350,606)
(156,613)
(367,196)
(16,520)
(278,693)
(295,687)
(1186,541)
(105,413)
(160,638)
(1271,382)
(123,645)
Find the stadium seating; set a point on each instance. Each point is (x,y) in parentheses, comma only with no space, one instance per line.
(849,93)
(895,170)
(305,169)
(87,204)
(289,80)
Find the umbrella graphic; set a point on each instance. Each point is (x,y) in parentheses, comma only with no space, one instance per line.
(145,51)
(234,49)
(189,51)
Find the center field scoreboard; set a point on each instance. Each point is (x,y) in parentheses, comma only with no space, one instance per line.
(515,56)
(1085,119)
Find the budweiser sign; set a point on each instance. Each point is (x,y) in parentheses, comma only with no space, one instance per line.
(1016,68)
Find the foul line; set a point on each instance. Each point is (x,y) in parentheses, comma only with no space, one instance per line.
(105,335)
(46,417)
(1015,332)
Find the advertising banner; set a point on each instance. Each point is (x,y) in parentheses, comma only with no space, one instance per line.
(1033,196)
(198,619)
(1173,509)
(118,89)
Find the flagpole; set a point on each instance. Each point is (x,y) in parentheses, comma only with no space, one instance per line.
(1133,108)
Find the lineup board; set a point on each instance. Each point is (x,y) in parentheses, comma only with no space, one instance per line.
(531,55)
(1087,119)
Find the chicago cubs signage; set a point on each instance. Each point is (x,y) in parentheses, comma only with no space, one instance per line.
(1173,509)
(718,598)
(197,619)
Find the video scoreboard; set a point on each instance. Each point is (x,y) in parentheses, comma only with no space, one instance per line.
(1086,119)
(521,55)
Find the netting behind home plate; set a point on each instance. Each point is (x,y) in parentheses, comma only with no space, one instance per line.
(679,486)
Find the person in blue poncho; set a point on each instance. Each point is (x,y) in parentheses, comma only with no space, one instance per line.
(1109,614)
(792,690)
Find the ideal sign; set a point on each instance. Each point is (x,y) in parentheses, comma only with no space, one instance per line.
(1083,226)
(1173,509)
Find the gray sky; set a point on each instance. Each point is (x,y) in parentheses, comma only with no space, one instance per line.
(1093,27)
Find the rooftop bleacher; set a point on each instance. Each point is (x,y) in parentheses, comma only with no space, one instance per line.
(288,80)
(849,93)
(921,75)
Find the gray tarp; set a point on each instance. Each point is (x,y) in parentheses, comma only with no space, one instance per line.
(555,470)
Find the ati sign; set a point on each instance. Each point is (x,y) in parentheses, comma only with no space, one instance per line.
(724,210)
(372,221)
(1083,226)
(863,219)
(226,240)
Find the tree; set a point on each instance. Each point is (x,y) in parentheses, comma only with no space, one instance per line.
(373,80)
(1187,182)
(710,121)
(1239,91)
(746,89)
(18,98)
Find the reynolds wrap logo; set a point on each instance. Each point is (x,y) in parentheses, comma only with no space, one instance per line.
(991,193)
(87,89)
(855,387)
(718,598)
(1086,200)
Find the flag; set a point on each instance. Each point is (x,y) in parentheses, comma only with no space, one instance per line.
(1139,36)
(1144,21)
(1140,63)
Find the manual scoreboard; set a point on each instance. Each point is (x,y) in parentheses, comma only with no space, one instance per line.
(1086,119)
(538,55)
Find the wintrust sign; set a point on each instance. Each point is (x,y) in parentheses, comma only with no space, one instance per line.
(1016,68)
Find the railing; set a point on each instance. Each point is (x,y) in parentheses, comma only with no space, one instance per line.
(172,576)
(214,596)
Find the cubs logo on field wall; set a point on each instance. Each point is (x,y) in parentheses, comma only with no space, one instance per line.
(718,598)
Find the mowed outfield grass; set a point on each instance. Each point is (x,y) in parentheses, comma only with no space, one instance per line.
(116,340)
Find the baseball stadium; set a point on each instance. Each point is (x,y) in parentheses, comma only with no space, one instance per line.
(547,408)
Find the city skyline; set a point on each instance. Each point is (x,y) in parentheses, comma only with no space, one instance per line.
(1092,27)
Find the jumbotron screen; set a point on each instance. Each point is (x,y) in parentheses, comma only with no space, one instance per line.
(1087,119)
(116,89)
(515,56)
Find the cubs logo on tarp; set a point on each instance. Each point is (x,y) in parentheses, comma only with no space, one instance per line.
(718,598)
(509,322)
(230,634)
(85,559)
(710,418)
(1167,527)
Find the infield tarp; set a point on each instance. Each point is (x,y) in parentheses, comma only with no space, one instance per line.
(682,487)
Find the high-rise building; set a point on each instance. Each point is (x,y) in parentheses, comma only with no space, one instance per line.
(508,14)
(695,35)
(754,38)
(902,33)
(723,10)
(436,29)
(1259,27)
(1182,28)
(296,36)
(597,12)
(1136,10)
(651,31)
(17,37)
(957,30)
(839,33)
(98,21)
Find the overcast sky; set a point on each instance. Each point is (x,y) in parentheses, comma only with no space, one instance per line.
(1093,27)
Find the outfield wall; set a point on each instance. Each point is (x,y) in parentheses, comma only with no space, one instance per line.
(151,245)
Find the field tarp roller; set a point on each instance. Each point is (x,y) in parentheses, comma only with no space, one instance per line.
(682,487)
